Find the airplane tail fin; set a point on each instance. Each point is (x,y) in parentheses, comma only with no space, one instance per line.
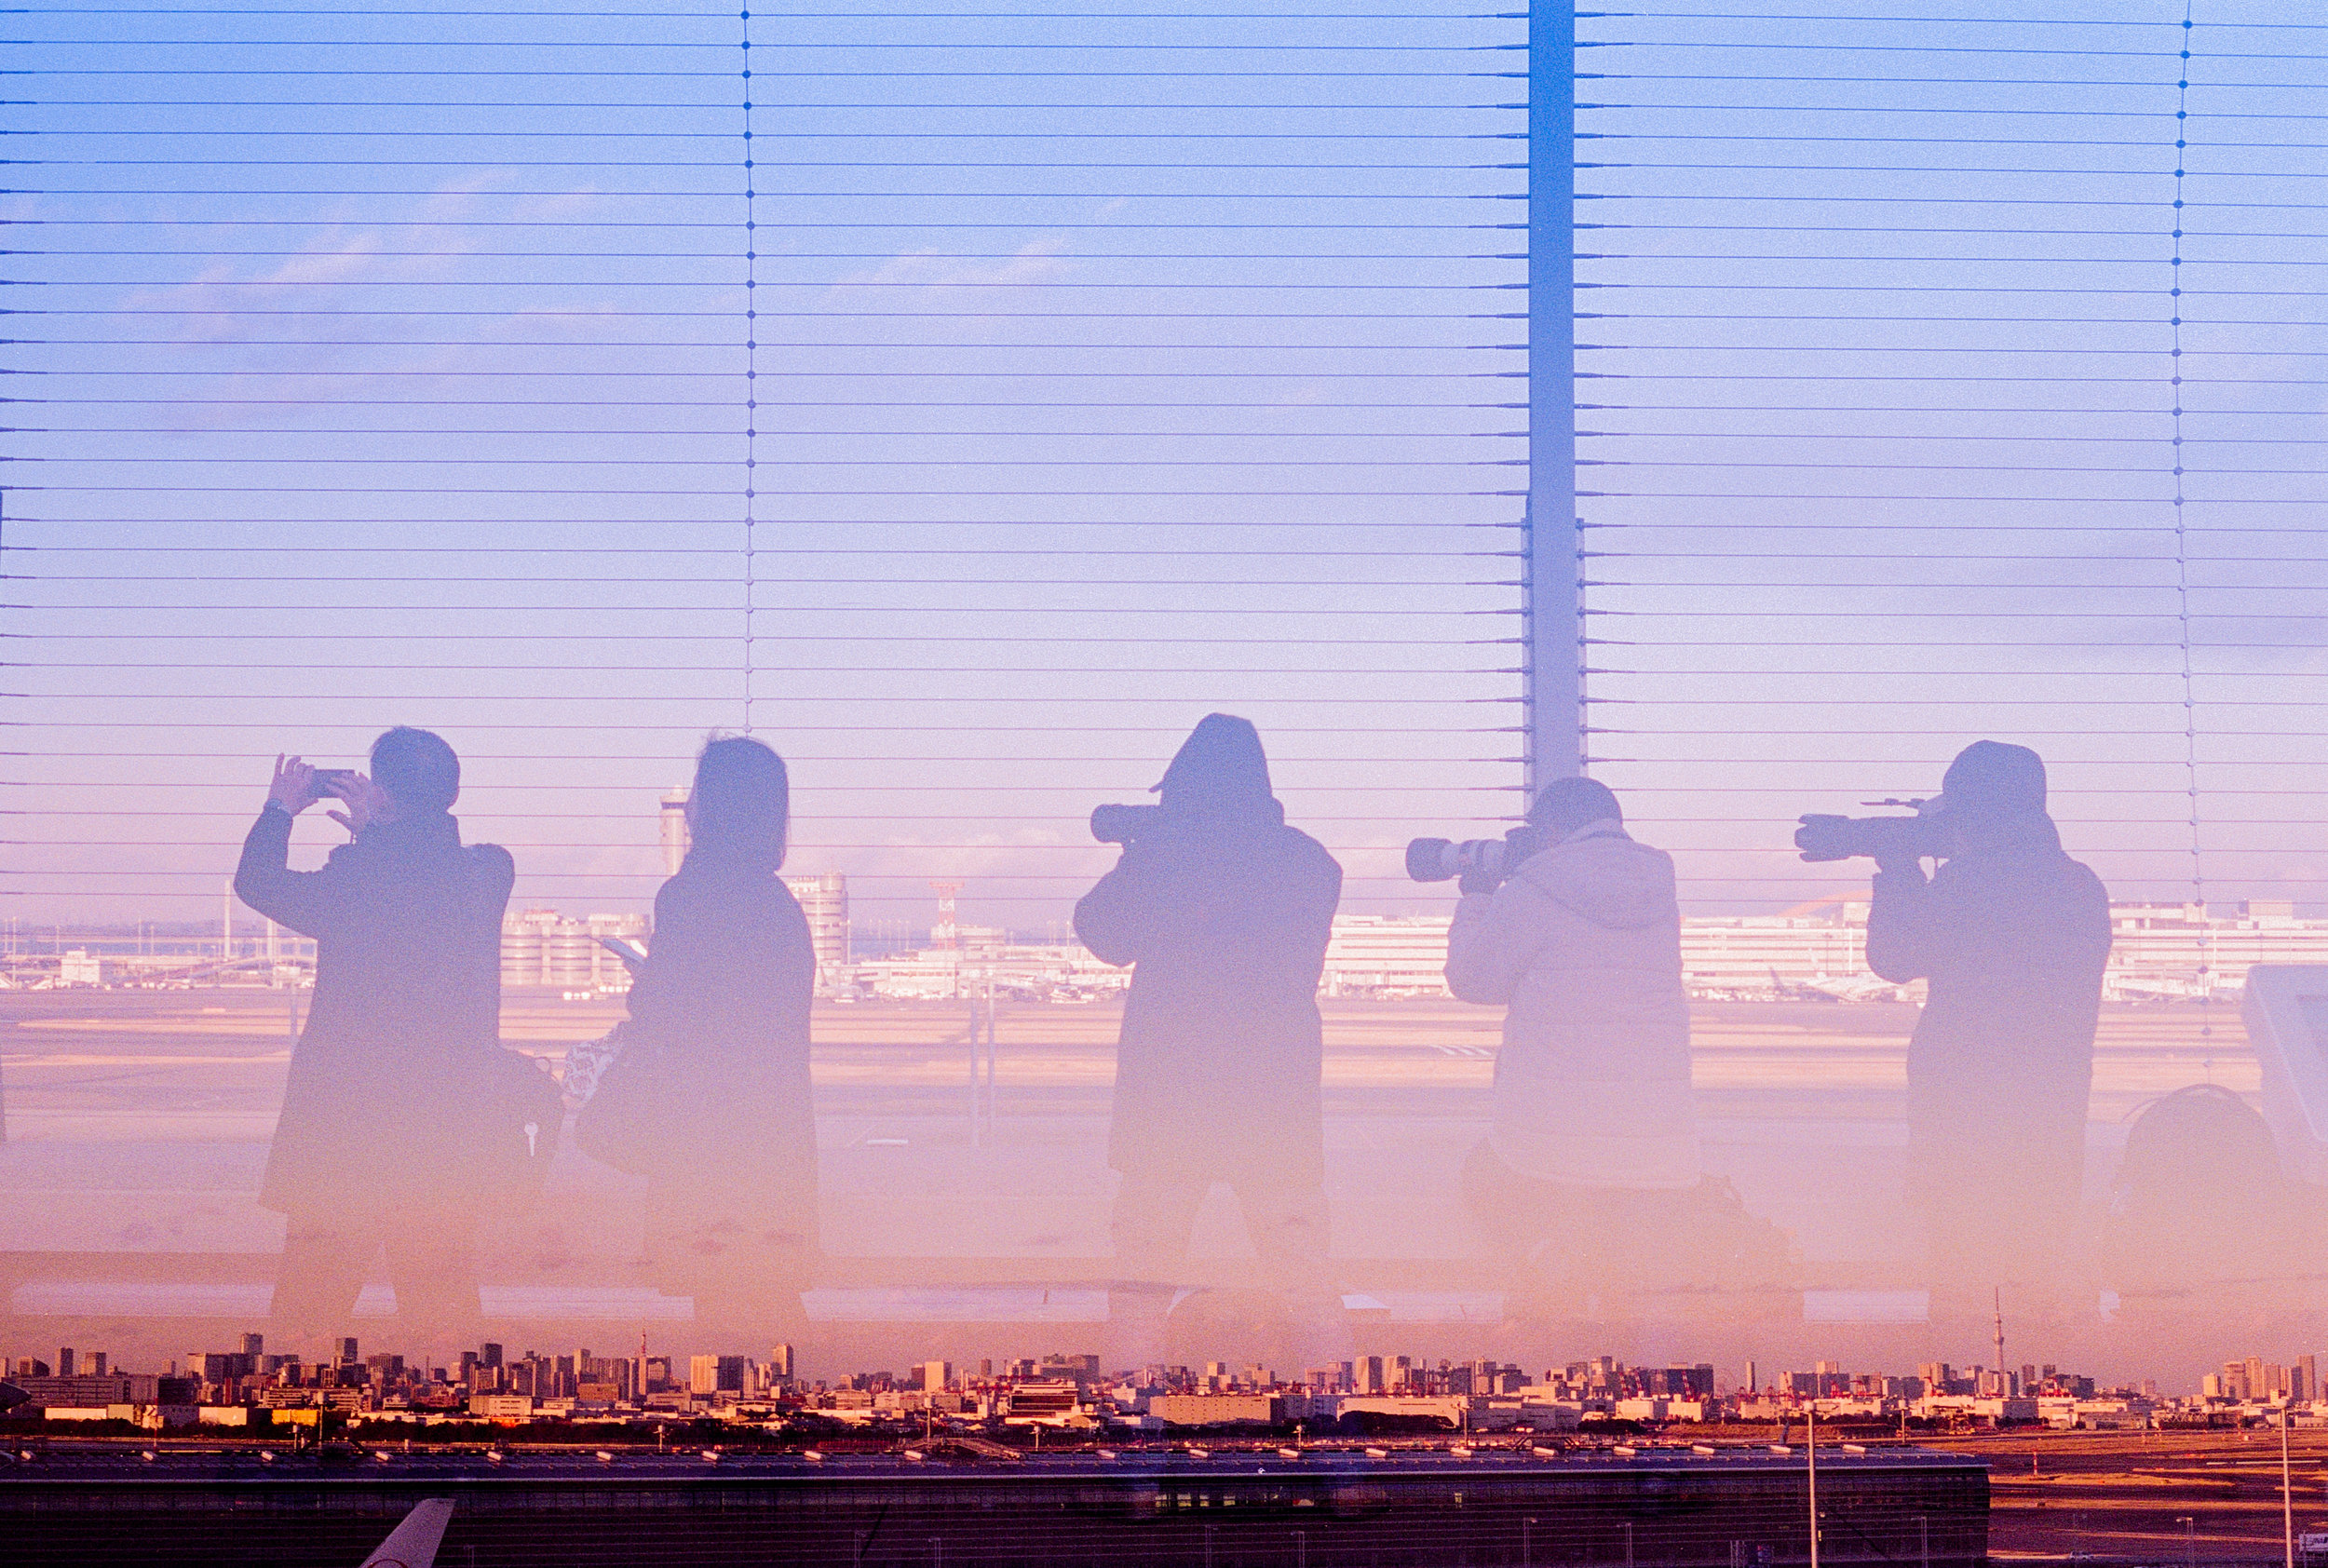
(413,1544)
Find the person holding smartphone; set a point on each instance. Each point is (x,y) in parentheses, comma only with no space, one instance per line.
(378,1146)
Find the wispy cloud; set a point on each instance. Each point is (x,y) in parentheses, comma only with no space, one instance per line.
(932,280)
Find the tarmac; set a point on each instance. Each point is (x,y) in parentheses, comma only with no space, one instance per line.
(136,1126)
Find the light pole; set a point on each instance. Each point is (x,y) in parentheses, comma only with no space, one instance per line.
(2190,1540)
(2287,1486)
(1810,1456)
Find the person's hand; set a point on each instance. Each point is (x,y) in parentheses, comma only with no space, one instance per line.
(295,787)
(367,803)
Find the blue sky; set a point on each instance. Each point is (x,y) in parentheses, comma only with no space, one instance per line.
(390,366)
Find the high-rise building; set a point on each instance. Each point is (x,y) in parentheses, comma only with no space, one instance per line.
(1681,1383)
(715,1374)
(936,1375)
(780,1362)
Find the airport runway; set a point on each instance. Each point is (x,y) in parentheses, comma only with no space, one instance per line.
(138,1124)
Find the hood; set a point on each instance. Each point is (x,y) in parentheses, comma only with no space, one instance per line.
(1991,778)
(1606,877)
(2004,836)
(1221,765)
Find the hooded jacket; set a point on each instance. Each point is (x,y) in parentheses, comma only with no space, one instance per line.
(1224,912)
(2013,936)
(1582,945)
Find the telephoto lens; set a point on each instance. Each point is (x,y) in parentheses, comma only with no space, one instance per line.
(1438,859)
(1121,824)
(1426,860)
(1823,838)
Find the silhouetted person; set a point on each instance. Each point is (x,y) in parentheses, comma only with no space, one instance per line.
(2012,935)
(1590,1164)
(720,1013)
(1224,913)
(379,1145)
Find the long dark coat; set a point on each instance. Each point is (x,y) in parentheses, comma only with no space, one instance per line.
(2013,936)
(725,996)
(1225,918)
(381,1111)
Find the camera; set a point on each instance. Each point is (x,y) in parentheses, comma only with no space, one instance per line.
(1882,838)
(1436,859)
(1121,824)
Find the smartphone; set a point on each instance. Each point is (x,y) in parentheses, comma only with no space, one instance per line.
(633,956)
(332,780)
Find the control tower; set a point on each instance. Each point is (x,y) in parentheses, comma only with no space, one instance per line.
(674,828)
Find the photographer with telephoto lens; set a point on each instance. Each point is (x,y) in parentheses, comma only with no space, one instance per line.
(2012,935)
(1590,1168)
(1224,912)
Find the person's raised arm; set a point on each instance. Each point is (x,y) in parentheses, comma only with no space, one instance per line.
(1905,923)
(1116,918)
(302,900)
(1493,939)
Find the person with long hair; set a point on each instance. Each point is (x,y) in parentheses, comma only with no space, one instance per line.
(720,1010)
